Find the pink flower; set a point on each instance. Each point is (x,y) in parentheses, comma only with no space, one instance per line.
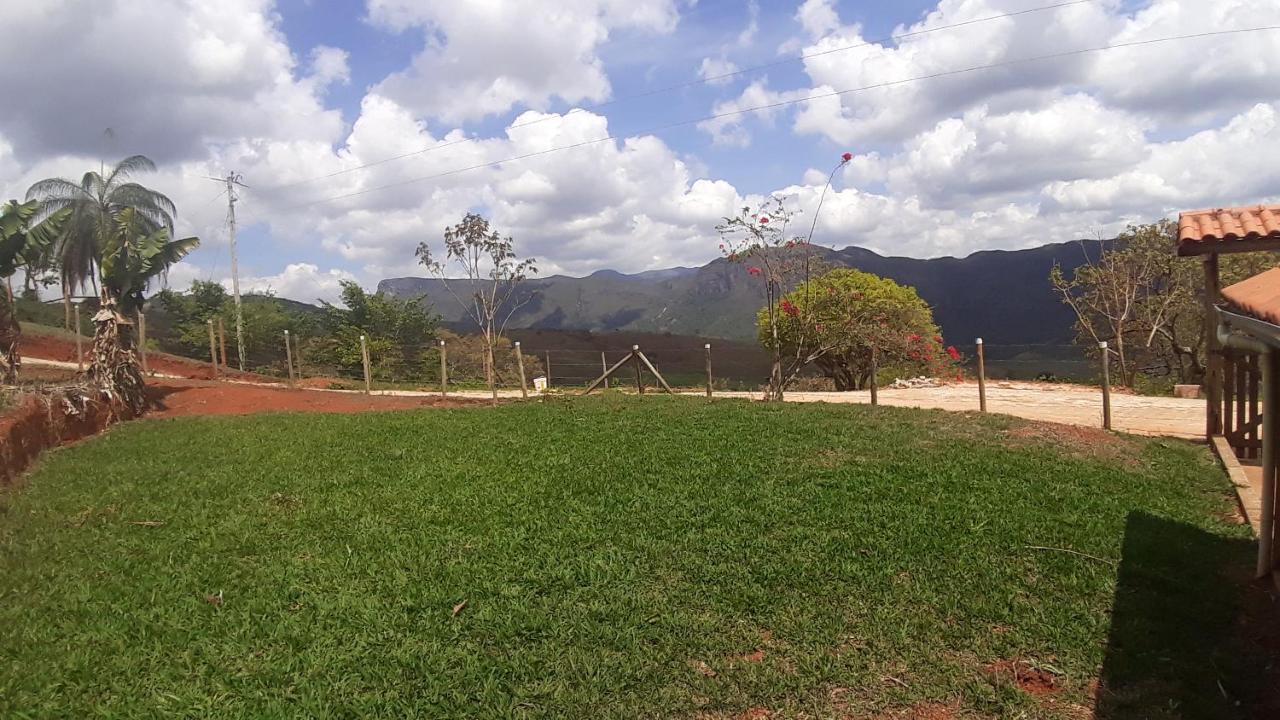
(753,271)
(764,221)
(847,157)
(953,352)
(790,308)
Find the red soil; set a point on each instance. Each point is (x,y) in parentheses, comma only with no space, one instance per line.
(54,348)
(40,422)
(177,398)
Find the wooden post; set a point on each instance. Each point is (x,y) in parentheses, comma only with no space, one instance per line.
(1106,386)
(604,367)
(982,379)
(524,387)
(142,341)
(875,368)
(607,373)
(635,355)
(222,341)
(79,342)
(548,369)
(297,354)
(1213,349)
(288,358)
(213,350)
(364,358)
(1270,429)
(444,372)
(707,349)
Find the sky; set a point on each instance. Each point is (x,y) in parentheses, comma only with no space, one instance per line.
(362,128)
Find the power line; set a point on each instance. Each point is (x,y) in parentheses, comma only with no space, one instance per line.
(690,83)
(782,103)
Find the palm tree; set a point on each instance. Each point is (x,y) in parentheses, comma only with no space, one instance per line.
(95,202)
(134,252)
(22,244)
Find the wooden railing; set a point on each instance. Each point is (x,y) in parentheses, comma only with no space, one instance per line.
(1241,407)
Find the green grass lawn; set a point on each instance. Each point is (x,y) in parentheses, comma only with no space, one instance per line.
(616,557)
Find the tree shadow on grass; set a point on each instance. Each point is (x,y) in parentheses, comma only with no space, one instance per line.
(1192,635)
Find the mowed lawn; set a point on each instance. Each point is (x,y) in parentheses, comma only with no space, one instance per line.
(621,557)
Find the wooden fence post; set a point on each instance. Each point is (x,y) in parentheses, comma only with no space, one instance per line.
(524,387)
(444,372)
(142,341)
(222,341)
(982,379)
(707,348)
(1106,386)
(635,355)
(297,354)
(288,358)
(604,367)
(548,369)
(364,358)
(79,342)
(213,350)
(875,368)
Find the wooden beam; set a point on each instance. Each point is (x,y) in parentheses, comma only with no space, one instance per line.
(1213,349)
(1209,248)
(607,373)
(655,372)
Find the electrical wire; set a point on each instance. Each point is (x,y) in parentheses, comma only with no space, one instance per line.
(690,83)
(783,103)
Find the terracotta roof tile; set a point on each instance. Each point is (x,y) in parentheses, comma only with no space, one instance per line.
(1258,296)
(1227,225)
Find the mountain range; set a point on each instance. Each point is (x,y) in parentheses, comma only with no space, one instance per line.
(1003,296)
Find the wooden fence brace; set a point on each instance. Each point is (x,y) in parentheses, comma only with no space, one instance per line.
(213,350)
(524,387)
(607,373)
(982,378)
(1106,386)
(444,371)
(222,341)
(707,349)
(364,358)
(288,358)
(635,355)
(79,342)
(142,340)
(875,368)
(604,368)
(655,372)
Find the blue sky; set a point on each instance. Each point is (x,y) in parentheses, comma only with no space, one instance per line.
(287,92)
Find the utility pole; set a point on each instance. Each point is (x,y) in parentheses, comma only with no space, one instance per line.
(232,180)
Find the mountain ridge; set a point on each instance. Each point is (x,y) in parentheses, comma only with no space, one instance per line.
(1003,296)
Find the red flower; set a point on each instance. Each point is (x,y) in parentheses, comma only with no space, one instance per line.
(847,157)
(953,352)
(790,308)
(937,339)
(753,271)
(764,221)
(914,337)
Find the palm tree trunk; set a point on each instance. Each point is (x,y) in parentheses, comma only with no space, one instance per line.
(66,307)
(10,334)
(114,365)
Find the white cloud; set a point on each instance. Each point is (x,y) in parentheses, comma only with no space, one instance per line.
(303,281)
(713,70)
(483,58)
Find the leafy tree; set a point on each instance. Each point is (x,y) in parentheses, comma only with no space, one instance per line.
(189,314)
(134,254)
(23,242)
(95,203)
(491,278)
(1145,302)
(836,320)
(398,332)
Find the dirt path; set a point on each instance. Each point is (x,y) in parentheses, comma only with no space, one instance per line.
(1070,404)
(178,398)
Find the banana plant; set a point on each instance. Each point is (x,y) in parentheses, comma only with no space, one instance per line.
(134,253)
(22,244)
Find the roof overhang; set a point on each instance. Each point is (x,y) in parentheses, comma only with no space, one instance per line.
(1219,231)
(1258,329)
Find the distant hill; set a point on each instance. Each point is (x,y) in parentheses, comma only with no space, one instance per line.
(1002,296)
